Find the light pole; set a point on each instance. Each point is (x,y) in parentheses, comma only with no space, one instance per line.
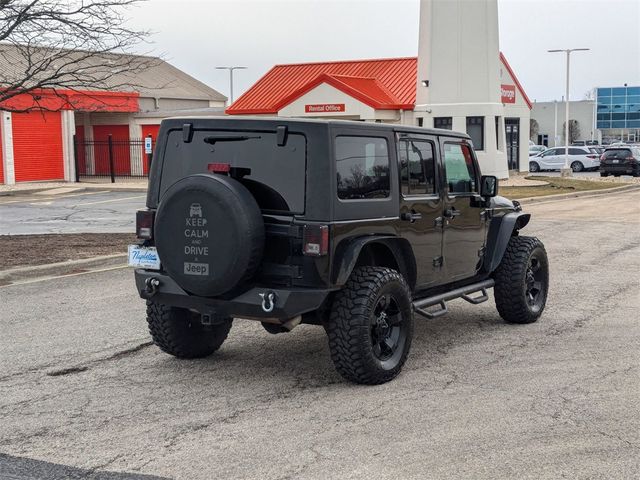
(231,69)
(566,170)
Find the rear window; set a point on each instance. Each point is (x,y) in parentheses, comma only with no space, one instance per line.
(275,175)
(619,153)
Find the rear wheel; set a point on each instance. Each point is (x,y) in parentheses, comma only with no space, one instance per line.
(534,167)
(371,326)
(577,166)
(179,332)
(522,281)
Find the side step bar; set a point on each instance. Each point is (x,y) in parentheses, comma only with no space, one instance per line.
(420,306)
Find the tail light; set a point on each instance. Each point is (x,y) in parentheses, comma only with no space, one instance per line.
(144,224)
(219,167)
(630,157)
(602,157)
(592,156)
(315,240)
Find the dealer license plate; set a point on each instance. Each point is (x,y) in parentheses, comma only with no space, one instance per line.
(144,257)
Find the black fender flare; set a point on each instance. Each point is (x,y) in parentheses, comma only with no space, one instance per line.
(348,252)
(501,229)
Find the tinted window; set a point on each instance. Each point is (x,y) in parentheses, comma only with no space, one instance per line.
(577,151)
(475,129)
(443,122)
(417,164)
(550,152)
(619,153)
(459,169)
(275,175)
(362,165)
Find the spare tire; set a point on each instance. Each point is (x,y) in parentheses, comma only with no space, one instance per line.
(209,234)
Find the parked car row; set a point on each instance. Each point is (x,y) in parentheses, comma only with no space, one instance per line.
(613,160)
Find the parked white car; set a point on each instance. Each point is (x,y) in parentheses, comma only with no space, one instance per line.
(580,158)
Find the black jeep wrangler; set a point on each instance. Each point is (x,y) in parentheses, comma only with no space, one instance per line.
(352,226)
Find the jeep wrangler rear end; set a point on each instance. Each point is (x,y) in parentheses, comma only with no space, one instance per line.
(347,225)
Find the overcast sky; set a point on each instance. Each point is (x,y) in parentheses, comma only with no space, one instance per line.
(196,36)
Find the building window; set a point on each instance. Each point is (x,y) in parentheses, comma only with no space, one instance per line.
(362,165)
(443,122)
(417,167)
(498,133)
(475,129)
(420,121)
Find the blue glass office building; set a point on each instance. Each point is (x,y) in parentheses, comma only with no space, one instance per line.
(619,110)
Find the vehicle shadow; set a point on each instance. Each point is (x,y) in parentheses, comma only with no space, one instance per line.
(301,358)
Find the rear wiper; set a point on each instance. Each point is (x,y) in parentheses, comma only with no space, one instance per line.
(229,138)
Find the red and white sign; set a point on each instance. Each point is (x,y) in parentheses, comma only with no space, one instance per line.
(508,93)
(324,108)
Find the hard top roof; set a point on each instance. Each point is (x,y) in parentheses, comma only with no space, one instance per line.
(315,121)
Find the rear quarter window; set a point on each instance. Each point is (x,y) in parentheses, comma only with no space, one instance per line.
(362,167)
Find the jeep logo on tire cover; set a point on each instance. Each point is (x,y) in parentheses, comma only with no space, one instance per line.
(195,231)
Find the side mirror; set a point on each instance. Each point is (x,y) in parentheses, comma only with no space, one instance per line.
(488,186)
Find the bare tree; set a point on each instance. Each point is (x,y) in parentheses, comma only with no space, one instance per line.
(534,129)
(574,131)
(74,45)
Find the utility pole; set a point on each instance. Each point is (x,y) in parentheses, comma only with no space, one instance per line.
(566,170)
(231,69)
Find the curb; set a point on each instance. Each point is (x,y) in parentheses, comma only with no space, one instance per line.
(84,188)
(588,193)
(62,268)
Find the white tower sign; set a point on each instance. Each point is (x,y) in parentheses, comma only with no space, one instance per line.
(459,74)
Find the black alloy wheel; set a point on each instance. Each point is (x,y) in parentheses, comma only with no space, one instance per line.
(535,283)
(388,331)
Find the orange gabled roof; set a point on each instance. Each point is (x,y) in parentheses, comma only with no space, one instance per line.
(386,83)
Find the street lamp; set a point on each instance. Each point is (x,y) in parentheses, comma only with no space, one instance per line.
(566,170)
(231,69)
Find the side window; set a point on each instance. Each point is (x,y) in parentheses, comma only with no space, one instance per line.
(417,167)
(577,151)
(362,165)
(550,152)
(459,168)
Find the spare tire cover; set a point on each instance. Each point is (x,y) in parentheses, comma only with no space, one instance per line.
(209,234)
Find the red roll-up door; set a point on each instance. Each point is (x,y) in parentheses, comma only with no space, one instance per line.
(121,148)
(151,130)
(37,146)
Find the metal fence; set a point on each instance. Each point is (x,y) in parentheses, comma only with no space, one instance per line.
(111,159)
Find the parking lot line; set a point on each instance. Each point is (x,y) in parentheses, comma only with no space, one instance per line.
(57,277)
(112,200)
(38,200)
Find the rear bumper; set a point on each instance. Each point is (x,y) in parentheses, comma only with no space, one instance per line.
(289,302)
(623,169)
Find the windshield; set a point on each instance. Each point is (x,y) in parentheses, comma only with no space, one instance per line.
(275,175)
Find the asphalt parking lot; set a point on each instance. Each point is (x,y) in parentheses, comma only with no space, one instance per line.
(70,212)
(83,393)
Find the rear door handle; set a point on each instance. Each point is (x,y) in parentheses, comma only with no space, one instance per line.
(410,216)
(452,212)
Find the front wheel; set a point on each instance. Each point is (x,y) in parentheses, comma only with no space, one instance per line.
(534,167)
(371,326)
(577,166)
(180,332)
(522,280)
